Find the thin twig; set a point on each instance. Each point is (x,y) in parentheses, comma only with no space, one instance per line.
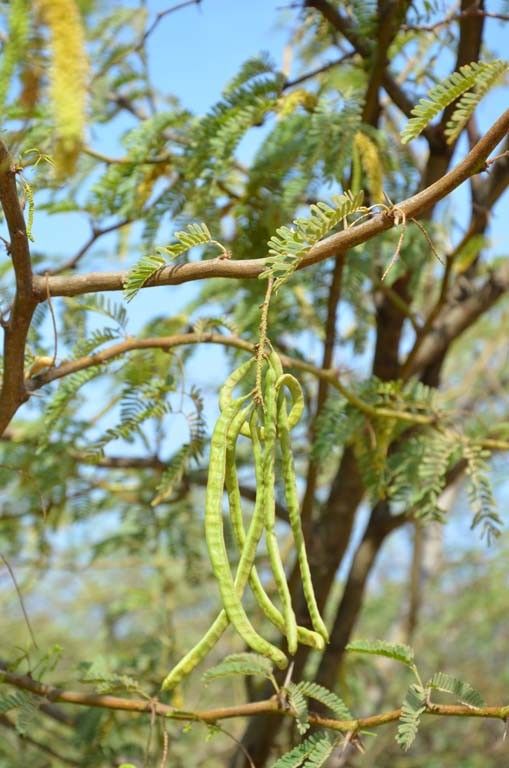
(467,13)
(319,70)
(497,157)
(161,15)
(238,743)
(96,234)
(166,746)
(262,341)
(53,323)
(162,160)
(20,598)
(97,358)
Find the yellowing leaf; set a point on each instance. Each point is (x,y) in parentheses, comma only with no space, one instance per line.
(371,164)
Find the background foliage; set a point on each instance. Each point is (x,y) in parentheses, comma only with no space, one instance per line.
(404,446)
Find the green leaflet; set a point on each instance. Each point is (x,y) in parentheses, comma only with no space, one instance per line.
(26,706)
(397,651)
(469,101)
(324,696)
(311,753)
(148,266)
(289,245)
(250,69)
(96,673)
(478,75)
(479,491)
(299,705)
(141,273)
(252,664)
(462,690)
(411,710)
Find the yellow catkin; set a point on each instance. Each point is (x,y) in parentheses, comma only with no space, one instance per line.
(68,78)
(372,165)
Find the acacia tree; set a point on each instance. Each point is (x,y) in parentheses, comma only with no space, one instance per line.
(328,255)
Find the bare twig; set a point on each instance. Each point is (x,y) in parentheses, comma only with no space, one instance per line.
(97,232)
(319,70)
(468,12)
(20,598)
(161,15)
(53,323)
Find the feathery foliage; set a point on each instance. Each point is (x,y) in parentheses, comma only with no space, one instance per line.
(312,690)
(139,404)
(481,75)
(470,100)
(148,266)
(102,471)
(190,451)
(247,664)
(289,245)
(479,491)
(410,719)
(298,703)
(65,393)
(96,673)
(14,48)
(311,753)
(418,473)
(463,691)
(396,651)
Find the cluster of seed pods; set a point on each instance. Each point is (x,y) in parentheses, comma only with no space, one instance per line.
(267,423)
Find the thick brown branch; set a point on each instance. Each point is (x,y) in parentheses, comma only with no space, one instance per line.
(453,320)
(412,207)
(380,525)
(323,385)
(362,46)
(13,392)
(390,15)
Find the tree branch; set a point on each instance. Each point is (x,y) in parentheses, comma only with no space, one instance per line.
(13,392)
(274,705)
(168,342)
(323,384)
(319,70)
(347,29)
(412,207)
(453,320)
(96,233)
